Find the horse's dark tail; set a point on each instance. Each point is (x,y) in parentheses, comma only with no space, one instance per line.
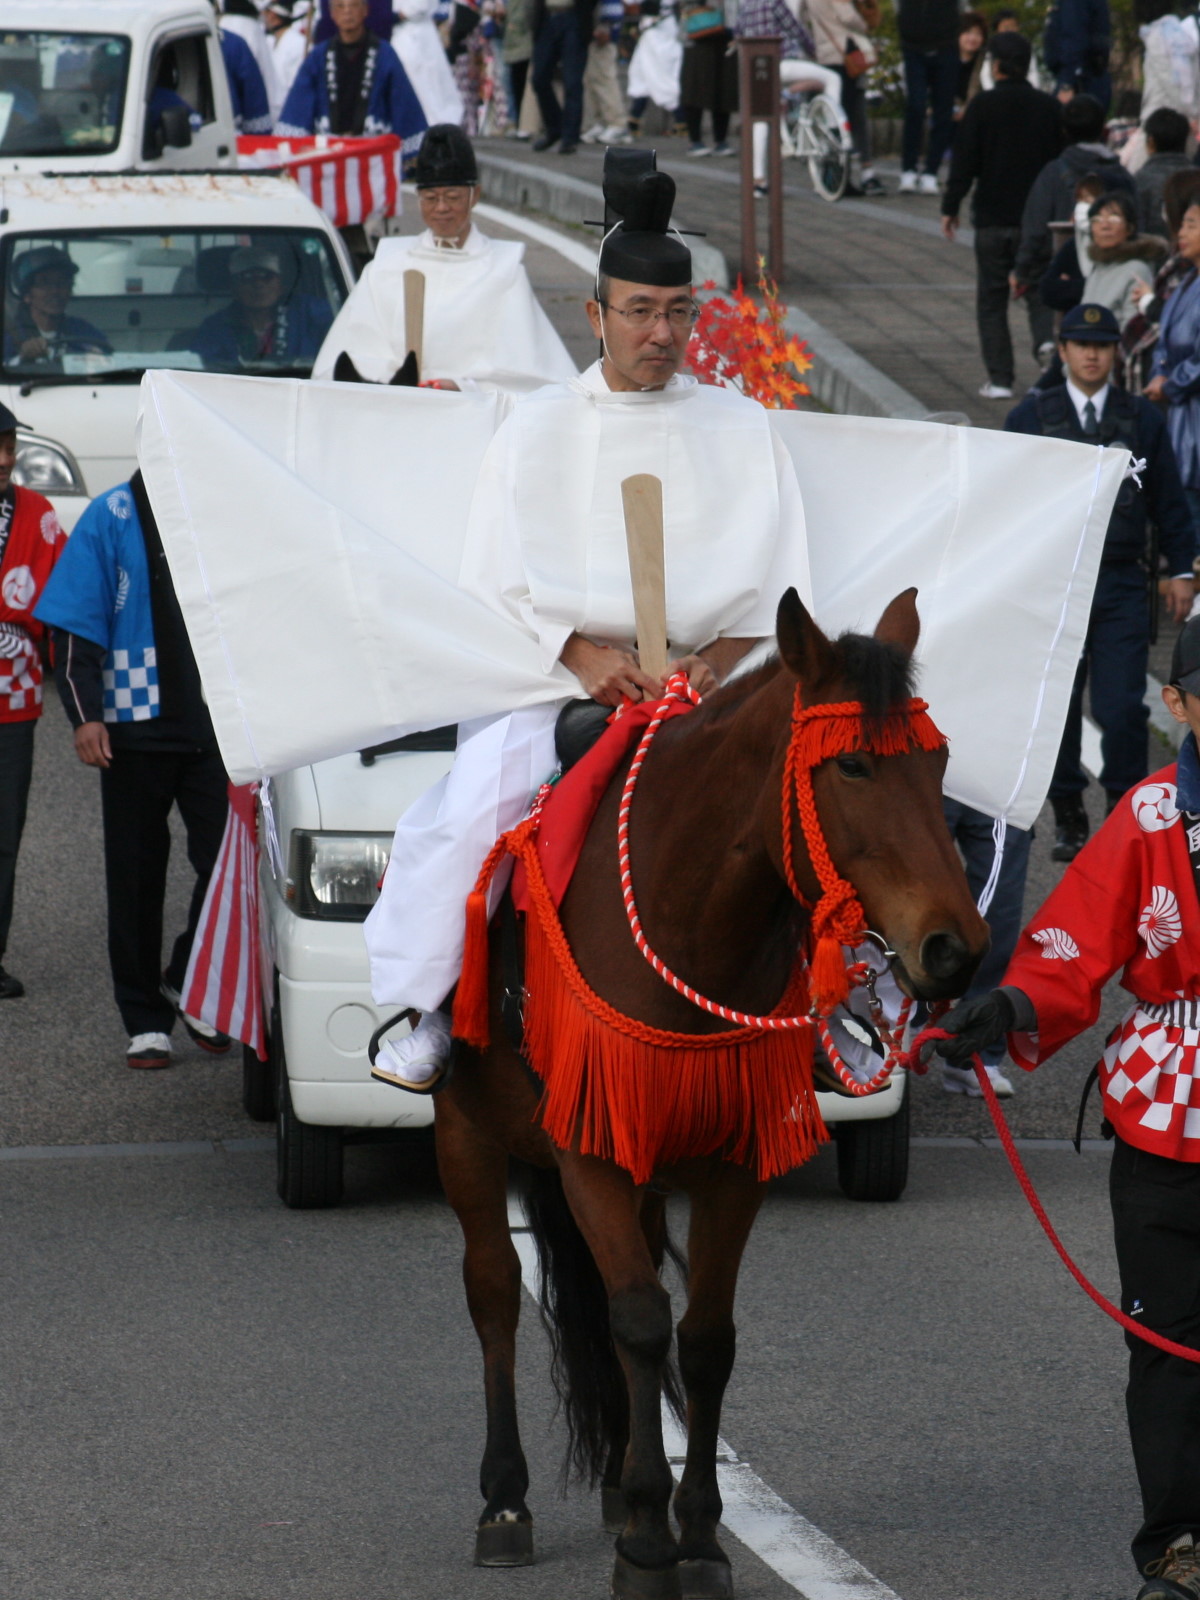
(587,1375)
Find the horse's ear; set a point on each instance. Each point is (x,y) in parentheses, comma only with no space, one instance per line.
(900,624)
(803,648)
(344,370)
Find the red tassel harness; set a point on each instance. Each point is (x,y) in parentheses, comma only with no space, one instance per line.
(644,1097)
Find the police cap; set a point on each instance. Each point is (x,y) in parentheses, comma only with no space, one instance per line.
(1090,324)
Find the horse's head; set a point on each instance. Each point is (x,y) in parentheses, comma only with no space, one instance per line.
(881,814)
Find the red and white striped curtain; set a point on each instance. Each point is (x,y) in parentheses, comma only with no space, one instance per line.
(348,179)
(223,985)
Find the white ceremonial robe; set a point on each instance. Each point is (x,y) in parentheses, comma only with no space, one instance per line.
(482,321)
(288,49)
(419,45)
(545,546)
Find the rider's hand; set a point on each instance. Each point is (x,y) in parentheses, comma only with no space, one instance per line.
(607,674)
(700,675)
(92,745)
(976,1024)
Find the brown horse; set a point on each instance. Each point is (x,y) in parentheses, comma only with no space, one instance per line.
(707,841)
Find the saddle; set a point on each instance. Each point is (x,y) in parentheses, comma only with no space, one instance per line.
(580,724)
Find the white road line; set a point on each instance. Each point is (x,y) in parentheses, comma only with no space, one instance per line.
(578,254)
(800,1553)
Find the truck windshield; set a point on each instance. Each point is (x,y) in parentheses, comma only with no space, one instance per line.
(92,304)
(61,94)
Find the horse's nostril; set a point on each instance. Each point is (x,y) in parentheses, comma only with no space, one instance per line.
(943,955)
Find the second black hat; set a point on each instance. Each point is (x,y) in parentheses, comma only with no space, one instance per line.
(446,158)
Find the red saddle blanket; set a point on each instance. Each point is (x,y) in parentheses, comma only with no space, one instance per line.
(570,806)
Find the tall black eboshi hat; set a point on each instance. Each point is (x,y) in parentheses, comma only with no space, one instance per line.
(446,158)
(638,245)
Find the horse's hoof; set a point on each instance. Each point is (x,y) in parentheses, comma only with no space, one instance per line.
(613,1509)
(706,1580)
(504,1544)
(644,1583)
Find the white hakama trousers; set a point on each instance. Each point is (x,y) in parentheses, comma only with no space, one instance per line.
(415,930)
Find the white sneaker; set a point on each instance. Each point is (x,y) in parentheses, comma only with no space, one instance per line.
(148,1050)
(1045,353)
(962,1080)
(617,134)
(699,150)
(908,183)
(593,135)
(416,1061)
(928,184)
(994,391)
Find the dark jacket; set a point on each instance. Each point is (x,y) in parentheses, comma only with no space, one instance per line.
(1052,199)
(1150,181)
(1061,285)
(1077,40)
(1131,421)
(927,24)
(1005,138)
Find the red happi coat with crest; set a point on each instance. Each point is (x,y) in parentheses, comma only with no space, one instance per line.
(35,542)
(1127,903)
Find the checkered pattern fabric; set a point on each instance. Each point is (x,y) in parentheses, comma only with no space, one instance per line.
(131,686)
(20,685)
(1149,1070)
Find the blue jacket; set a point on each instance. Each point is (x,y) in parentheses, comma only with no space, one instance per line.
(100,590)
(225,343)
(1131,421)
(247,91)
(1177,359)
(392,106)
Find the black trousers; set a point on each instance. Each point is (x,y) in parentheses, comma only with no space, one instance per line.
(1115,656)
(137,793)
(995,257)
(1156,1224)
(16,774)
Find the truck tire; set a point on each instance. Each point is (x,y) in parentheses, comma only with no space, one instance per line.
(258,1086)
(308,1157)
(872,1156)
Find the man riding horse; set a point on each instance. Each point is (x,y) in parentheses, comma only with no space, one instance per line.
(546,547)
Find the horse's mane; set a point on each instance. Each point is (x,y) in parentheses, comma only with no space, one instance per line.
(876,674)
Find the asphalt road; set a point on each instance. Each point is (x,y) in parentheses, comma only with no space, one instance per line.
(204,1394)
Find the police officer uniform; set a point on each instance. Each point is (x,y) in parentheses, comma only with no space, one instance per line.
(1116,649)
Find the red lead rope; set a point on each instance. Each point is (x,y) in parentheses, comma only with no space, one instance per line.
(1185,1352)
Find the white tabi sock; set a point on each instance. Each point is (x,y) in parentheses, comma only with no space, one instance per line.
(419,1055)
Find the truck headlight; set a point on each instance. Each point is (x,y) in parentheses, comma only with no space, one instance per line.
(335,876)
(46,467)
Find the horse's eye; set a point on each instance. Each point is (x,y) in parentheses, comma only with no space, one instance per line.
(853,767)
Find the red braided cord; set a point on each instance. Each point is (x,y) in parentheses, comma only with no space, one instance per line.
(1185,1352)
(897,1057)
(678,688)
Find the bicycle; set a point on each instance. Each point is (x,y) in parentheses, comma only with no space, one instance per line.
(810,128)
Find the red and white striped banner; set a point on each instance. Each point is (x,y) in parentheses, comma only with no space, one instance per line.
(348,179)
(223,985)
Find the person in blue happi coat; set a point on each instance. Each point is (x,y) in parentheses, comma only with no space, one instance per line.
(264,323)
(247,91)
(353,84)
(128,680)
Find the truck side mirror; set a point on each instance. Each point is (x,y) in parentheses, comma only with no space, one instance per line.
(175,127)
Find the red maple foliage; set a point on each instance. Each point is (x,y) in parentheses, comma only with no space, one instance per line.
(737,342)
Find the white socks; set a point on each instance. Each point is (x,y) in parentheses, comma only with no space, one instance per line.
(419,1055)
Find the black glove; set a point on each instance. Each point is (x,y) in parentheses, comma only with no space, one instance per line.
(976,1024)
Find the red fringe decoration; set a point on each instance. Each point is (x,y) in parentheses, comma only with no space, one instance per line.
(470,1020)
(645,1098)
